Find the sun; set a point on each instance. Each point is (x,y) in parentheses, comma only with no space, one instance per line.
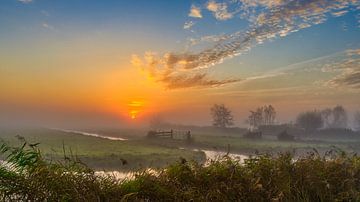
(135,108)
(133,114)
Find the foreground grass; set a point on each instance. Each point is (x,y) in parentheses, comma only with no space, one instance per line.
(334,177)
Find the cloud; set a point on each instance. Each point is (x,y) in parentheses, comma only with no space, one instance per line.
(25,1)
(196,80)
(268,20)
(349,71)
(279,21)
(47,26)
(195,12)
(220,10)
(188,25)
(162,70)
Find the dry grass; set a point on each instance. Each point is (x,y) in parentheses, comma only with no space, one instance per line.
(333,177)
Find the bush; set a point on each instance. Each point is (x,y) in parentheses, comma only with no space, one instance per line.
(333,177)
(284,136)
(253,135)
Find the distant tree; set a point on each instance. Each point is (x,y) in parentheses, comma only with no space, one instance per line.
(262,116)
(255,118)
(327,117)
(221,115)
(335,117)
(269,115)
(310,121)
(357,120)
(340,117)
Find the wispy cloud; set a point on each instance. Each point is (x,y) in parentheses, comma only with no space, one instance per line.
(196,80)
(25,1)
(188,24)
(195,12)
(47,26)
(177,77)
(220,10)
(268,20)
(349,71)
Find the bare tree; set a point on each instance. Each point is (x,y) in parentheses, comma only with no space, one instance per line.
(310,121)
(221,115)
(269,115)
(255,118)
(262,116)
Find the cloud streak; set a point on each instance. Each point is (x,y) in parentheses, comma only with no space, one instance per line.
(25,1)
(349,69)
(268,20)
(220,10)
(159,70)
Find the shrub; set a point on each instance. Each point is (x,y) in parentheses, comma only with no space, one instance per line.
(284,136)
(333,177)
(253,135)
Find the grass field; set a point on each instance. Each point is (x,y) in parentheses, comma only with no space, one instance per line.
(101,153)
(141,152)
(235,143)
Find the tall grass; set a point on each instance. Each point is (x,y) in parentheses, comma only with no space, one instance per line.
(333,177)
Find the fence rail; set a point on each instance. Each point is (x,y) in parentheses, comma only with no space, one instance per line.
(172,134)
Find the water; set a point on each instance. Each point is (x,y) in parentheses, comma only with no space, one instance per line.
(210,155)
(213,155)
(90,134)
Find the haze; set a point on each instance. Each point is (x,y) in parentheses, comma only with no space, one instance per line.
(122,63)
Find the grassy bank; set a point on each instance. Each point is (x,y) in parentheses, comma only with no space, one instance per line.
(99,153)
(334,177)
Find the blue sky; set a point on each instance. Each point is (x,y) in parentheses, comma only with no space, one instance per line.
(182,48)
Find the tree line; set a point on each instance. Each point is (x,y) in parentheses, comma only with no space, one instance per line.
(310,121)
(222,116)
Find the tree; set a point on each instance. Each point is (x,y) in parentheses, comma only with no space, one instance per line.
(340,117)
(335,117)
(310,121)
(262,116)
(269,115)
(221,115)
(327,117)
(255,118)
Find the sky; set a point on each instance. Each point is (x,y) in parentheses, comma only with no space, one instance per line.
(131,60)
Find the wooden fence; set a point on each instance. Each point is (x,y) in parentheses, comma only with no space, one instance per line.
(172,134)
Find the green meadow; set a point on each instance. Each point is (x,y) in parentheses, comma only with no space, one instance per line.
(138,151)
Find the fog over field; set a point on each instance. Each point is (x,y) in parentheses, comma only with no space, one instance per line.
(202,100)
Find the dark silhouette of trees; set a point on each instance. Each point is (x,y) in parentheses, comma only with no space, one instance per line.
(262,116)
(221,115)
(310,120)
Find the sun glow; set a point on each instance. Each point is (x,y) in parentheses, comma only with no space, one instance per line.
(135,108)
